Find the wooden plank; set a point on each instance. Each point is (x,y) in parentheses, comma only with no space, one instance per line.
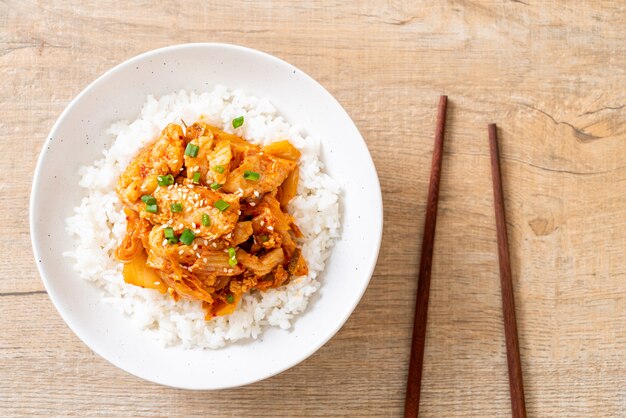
(551,74)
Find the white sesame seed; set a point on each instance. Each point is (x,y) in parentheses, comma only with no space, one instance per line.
(270,228)
(157,283)
(195,246)
(252,204)
(164,242)
(262,223)
(225,270)
(197,231)
(214,245)
(206,242)
(180,226)
(204,260)
(180,252)
(198,255)
(256,193)
(230,270)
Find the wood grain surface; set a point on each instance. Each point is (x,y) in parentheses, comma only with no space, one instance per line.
(550,74)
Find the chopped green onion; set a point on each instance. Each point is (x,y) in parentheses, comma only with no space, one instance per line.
(206,221)
(232,257)
(165,180)
(196,177)
(176,207)
(219,168)
(251,175)
(152,208)
(192,150)
(215,186)
(264,238)
(230,298)
(148,200)
(237,122)
(187,236)
(221,205)
(170,235)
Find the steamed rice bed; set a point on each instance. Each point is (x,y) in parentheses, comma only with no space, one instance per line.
(99,223)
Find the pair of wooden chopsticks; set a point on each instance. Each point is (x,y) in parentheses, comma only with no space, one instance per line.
(411,407)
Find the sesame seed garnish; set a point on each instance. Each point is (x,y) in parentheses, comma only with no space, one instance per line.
(190,186)
(157,283)
(195,246)
(225,270)
(256,193)
(214,245)
(198,255)
(230,270)
(180,252)
(204,260)
(262,223)
(164,242)
(206,242)
(252,204)
(270,228)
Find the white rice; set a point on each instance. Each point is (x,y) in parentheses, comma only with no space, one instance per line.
(98,225)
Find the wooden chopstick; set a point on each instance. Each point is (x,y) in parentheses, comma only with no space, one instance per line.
(516,385)
(414,381)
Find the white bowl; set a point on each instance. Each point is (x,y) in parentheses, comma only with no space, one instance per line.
(78,138)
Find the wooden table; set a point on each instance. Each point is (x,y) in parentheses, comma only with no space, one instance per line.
(552,75)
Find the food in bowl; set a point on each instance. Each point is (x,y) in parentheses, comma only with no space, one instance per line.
(205,234)
(205,218)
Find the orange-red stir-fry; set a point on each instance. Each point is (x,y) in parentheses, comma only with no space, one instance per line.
(207,216)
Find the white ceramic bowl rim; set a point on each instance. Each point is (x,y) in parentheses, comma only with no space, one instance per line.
(43,259)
